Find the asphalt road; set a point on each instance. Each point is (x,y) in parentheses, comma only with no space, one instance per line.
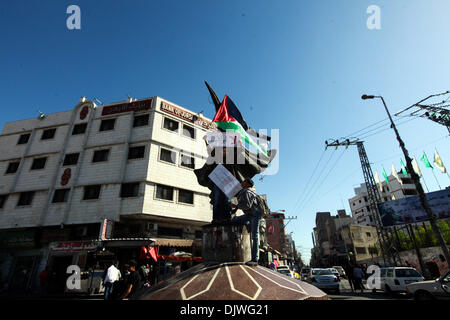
(347,294)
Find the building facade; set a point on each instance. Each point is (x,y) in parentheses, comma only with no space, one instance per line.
(117,175)
(395,189)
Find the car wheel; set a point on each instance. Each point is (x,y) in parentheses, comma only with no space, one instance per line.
(423,295)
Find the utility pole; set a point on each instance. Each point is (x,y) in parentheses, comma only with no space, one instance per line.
(416,179)
(372,191)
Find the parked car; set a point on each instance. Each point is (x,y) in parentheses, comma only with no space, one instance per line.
(324,279)
(286,271)
(430,290)
(341,271)
(395,279)
(304,273)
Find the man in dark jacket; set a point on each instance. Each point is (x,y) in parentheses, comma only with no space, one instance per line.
(248,203)
(133,282)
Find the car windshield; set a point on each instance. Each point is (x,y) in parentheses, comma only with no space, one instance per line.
(284,271)
(407,273)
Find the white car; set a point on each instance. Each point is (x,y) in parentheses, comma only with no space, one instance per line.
(395,279)
(324,279)
(340,270)
(336,273)
(286,271)
(431,290)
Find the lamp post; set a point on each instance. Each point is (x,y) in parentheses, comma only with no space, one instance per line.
(416,179)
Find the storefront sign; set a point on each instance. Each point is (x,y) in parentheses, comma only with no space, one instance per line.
(127,107)
(24,239)
(73,246)
(185,115)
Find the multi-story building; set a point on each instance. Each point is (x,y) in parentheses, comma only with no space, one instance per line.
(361,242)
(360,204)
(120,173)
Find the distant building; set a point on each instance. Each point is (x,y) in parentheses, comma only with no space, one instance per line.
(360,204)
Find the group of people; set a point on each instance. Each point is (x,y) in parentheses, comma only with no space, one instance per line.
(120,286)
(355,275)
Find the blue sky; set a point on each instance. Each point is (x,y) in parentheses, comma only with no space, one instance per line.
(297,66)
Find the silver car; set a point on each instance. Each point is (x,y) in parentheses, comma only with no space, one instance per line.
(325,279)
(431,290)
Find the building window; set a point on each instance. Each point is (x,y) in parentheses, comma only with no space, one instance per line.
(23,139)
(170,124)
(140,121)
(91,192)
(129,190)
(164,192)
(25,198)
(189,131)
(3,200)
(168,156)
(100,155)
(79,128)
(368,234)
(187,161)
(38,163)
(48,134)
(185,196)
(107,125)
(409,192)
(170,232)
(12,167)
(136,152)
(71,159)
(60,195)
(361,250)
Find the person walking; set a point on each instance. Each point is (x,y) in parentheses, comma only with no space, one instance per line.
(248,203)
(358,276)
(133,281)
(111,278)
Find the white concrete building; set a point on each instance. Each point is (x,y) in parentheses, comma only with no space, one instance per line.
(360,205)
(128,163)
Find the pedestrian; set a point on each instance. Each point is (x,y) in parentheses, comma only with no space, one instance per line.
(358,276)
(350,278)
(133,281)
(112,277)
(248,203)
(43,280)
(272,266)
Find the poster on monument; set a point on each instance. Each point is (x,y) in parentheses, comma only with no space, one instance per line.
(225,181)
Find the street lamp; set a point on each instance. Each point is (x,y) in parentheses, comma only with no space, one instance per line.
(416,179)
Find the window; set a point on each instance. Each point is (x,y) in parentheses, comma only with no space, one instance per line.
(185,196)
(187,161)
(368,234)
(38,163)
(140,121)
(71,159)
(3,200)
(168,156)
(188,131)
(12,167)
(170,124)
(25,198)
(164,192)
(390,273)
(170,232)
(60,195)
(129,190)
(361,250)
(23,139)
(100,155)
(91,192)
(79,128)
(136,152)
(409,192)
(107,124)
(407,273)
(48,134)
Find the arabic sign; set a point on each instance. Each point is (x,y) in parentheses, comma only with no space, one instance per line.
(410,210)
(73,246)
(127,107)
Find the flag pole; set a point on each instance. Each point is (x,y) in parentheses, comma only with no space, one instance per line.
(425,183)
(436,179)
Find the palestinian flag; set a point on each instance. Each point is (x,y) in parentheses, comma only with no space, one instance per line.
(228,118)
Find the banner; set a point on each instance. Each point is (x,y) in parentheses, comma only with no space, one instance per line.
(410,210)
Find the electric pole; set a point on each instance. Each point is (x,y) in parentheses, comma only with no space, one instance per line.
(372,191)
(416,179)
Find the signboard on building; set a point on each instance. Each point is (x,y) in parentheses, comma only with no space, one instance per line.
(128,107)
(73,246)
(17,239)
(185,115)
(410,210)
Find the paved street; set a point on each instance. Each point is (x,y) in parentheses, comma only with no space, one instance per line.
(347,294)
